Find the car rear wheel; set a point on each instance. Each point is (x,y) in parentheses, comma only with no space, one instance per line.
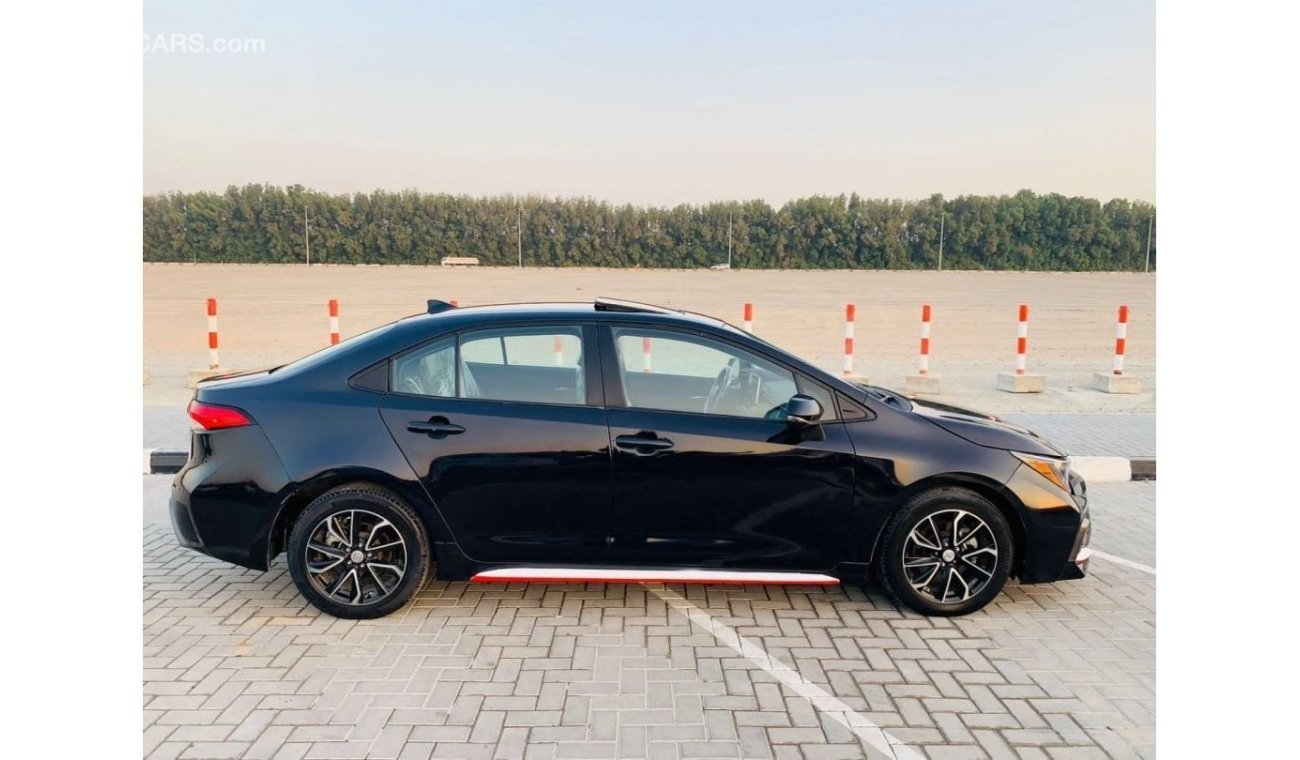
(947,551)
(358,552)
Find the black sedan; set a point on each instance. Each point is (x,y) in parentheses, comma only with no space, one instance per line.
(610,442)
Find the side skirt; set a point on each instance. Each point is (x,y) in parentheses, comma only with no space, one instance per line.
(627,575)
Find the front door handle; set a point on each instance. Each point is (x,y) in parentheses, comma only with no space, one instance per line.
(643,443)
(437,427)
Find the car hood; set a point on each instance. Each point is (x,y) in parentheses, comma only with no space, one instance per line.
(983,429)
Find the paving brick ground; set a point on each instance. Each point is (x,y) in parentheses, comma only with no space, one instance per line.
(237,665)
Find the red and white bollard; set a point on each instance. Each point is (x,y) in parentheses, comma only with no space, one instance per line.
(213,362)
(1121,334)
(334,321)
(1116,381)
(1022,339)
(557,346)
(645,354)
(749,318)
(923,363)
(1020,381)
(850,312)
(923,381)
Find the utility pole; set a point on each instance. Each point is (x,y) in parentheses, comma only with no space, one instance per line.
(185,228)
(1150,220)
(941,216)
(519,234)
(306,234)
(728,240)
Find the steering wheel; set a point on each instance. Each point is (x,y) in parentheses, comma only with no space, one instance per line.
(725,378)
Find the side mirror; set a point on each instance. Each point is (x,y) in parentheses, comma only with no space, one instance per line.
(802,411)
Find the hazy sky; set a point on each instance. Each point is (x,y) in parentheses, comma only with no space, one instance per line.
(657,102)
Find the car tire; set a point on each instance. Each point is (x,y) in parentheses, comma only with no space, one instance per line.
(358,552)
(946,551)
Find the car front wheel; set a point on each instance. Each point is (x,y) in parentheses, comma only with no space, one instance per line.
(358,552)
(947,551)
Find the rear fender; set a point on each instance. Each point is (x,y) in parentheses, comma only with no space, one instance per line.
(296,497)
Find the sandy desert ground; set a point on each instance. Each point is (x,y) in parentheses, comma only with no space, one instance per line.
(270,314)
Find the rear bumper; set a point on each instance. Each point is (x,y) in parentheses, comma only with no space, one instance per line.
(182,523)
(224,500)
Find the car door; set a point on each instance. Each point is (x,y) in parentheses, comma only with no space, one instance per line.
(707,471)
(505,428)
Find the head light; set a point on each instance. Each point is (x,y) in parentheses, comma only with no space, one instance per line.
(1055,470)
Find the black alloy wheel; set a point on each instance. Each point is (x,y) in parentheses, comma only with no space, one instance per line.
(947,551)
(358,552)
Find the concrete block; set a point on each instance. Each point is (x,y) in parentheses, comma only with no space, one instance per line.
(196,376)
(166,461)
(1102,469)
(1143,468)
(922,384)
(1013,383)
(1108,382)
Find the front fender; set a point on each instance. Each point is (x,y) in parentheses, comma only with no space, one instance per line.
(899,455)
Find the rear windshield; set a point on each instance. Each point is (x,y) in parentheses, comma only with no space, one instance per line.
(325,354)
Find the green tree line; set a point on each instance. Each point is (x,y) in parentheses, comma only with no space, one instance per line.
(1025,231)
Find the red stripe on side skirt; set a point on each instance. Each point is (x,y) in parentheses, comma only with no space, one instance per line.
(757,580)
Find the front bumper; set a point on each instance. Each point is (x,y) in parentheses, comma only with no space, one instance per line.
(1058,527)
(1081,553)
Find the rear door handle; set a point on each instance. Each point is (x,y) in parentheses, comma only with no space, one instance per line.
(438,427)
(643,443)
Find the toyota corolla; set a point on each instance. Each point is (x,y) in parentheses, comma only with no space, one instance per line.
(611,442)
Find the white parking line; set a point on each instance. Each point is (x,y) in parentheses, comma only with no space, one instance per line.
(827,703)
(1125,562)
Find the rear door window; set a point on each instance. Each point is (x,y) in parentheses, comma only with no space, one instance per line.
(427,371)
(530,364)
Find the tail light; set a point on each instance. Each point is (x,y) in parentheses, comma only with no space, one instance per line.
(216,417)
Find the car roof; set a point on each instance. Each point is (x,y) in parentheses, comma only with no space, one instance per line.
(601,310)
